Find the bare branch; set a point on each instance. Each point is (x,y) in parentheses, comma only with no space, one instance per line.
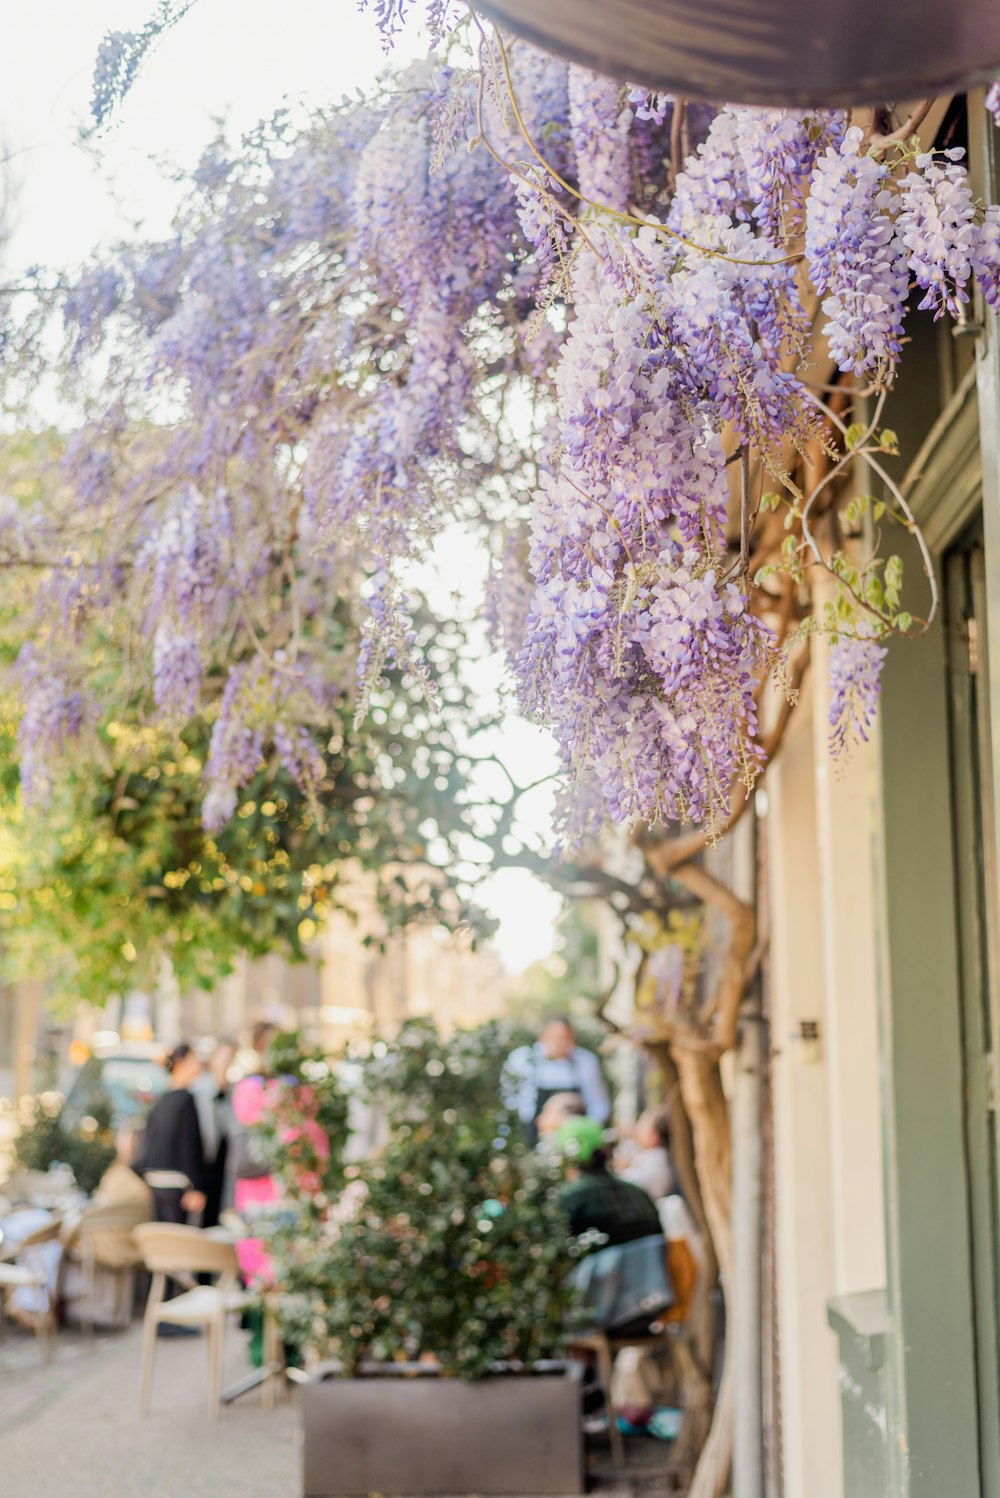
(878,142)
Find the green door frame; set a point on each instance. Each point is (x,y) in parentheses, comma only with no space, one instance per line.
(975,911)
(937,1323)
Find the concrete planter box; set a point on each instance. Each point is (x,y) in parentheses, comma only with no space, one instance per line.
(418,1433)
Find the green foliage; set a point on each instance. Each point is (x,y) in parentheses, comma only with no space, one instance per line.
(456,1247)
(117,871)
(44,1139)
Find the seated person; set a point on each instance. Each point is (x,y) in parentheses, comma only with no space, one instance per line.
(557,1109)
(649,1163)
(685,1255)
(595,1200)
(623,1280)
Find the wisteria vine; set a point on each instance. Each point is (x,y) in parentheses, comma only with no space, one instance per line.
(505,288)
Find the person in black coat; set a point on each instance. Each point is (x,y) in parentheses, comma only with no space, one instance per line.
(172,1145)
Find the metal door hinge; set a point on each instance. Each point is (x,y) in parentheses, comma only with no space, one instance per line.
(973,637)
(992,1080)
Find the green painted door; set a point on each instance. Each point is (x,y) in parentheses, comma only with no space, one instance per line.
(976,922)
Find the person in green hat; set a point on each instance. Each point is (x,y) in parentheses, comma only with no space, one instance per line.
(595,1200)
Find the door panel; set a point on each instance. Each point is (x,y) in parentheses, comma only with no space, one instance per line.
(976,919)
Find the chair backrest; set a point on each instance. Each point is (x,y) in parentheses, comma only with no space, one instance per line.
(170,1247)
(45,1234)
(625,1282)
(118,1216)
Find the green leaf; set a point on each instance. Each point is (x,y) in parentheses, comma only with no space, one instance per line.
(856,509)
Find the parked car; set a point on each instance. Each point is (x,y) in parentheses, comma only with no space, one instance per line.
(130,1078)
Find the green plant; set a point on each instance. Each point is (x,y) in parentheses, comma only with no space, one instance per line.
(43,1140)
(457,1249)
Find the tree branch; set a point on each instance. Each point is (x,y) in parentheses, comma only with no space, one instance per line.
(878,142)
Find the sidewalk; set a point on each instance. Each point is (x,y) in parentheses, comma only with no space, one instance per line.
(71,1428)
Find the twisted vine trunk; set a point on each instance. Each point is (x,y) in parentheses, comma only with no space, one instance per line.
(706,1106)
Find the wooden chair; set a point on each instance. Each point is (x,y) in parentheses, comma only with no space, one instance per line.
(605,1345)
(181,1252)
(22,1268)
(84,1243)
(270,1377)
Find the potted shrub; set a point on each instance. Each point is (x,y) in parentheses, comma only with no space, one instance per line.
(434,1295)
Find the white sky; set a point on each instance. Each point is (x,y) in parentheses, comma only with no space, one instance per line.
(237,59)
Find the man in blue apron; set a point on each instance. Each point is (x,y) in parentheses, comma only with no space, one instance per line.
(555,1063)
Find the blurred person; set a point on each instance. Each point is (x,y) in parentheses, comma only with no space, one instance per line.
(554,1064)
(262,1034)
(215,1117)
(249,1180)
(649,1164)
(255,1188)
(556,1110)
(120,1185)
(596,1201)
(623,1278)
(172,1145)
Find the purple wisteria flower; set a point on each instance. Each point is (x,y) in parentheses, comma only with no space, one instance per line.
(937,225)
(599,125)
(854,673)
(643,663)
(856,262)
(236,747)
(986,257)
(372,323)
(54,713)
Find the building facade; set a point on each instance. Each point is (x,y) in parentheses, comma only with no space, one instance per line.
(885,991)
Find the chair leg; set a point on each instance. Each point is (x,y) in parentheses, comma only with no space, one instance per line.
(89,1288)
(272,1358)
(605,1370)
(214,1331)
(46,1324)
(148,1353)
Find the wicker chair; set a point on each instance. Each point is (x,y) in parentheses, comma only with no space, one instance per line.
(87,1242)
(21,1267)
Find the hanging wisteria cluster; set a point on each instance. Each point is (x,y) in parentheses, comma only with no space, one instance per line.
(489,290)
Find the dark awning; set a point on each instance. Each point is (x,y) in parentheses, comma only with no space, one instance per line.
(782,52)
